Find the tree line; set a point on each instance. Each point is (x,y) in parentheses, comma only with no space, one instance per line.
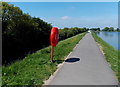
(23,34)
(69,32)
(111,29)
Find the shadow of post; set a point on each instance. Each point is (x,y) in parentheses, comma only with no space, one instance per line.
(69,60)
(72,60)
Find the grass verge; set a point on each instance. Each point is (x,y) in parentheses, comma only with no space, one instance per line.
(111,55)
(36,67)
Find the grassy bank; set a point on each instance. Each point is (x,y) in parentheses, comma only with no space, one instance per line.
(111,54)
(0,76)
(36,67)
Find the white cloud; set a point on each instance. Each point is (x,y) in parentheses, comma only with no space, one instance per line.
(65,17)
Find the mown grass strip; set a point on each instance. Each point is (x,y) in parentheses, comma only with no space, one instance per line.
(111,55)
(36,67)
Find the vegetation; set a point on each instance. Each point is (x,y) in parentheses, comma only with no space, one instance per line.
(95,29)
(110,29)
(69,32)
(23,34)
(0,76)
(117,30)
(111,55)
(36,67)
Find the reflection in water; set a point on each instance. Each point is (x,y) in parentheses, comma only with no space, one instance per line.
(108,34)
(97,33)
(111,38)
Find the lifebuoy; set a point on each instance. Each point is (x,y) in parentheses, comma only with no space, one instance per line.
(54,36)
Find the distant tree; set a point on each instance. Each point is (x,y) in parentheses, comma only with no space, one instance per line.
(87,29)
(111,29)
(117,29)
(98,29)
(95,29)
(108,29)
(69,32)
(105,29)
(66,28)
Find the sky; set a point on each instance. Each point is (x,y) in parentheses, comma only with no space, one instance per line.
(73,14)
(61,0)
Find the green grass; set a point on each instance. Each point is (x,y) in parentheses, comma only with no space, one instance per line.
(36,67)
(0,76)
(111,55)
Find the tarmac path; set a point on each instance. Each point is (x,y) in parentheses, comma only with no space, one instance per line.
(86,65)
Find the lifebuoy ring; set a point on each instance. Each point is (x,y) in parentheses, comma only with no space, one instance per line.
(54,36)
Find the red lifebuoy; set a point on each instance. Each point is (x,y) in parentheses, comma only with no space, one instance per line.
(54,36)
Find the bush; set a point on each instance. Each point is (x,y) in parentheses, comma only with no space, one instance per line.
(69,32)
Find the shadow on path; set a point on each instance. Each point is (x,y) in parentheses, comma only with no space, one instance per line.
(71,60)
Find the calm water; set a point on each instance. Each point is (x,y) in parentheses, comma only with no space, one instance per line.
(111,38)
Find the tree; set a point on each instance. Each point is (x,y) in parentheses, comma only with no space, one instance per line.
(117,29)
(105,29)
(95,29)
(9,13)
(21,33)
(98,29)
(111,29)
(108,29)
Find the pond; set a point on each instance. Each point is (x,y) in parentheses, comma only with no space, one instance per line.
(111,38)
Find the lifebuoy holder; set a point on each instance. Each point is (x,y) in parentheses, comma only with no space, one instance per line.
(54,36)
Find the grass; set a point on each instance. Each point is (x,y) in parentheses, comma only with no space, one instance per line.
(0,76)
(36,67)
(111,55)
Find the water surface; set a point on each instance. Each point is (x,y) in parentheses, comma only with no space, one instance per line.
(111,38)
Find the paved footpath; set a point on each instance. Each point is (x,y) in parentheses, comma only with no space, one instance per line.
(86,65)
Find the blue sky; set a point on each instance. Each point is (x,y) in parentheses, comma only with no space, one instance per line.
(61,0)
(73,14)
